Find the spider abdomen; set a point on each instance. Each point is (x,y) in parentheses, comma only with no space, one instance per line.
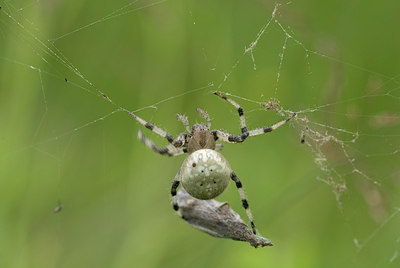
(205,174)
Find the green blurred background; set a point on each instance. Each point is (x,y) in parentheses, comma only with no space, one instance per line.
(56,148)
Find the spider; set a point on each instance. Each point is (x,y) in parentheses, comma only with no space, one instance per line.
(205,173)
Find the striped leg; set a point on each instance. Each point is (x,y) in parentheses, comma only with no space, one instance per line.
(226,137)
(169,150)
(153,128)
(244,200)
(181,140)
(175,184)
(243,127)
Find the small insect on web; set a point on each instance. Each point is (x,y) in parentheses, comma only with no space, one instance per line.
(205,173)
(58,208)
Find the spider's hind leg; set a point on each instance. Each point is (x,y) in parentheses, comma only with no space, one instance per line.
(245,203)
(175,184)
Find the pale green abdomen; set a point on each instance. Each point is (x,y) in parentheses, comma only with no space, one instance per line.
(205,174)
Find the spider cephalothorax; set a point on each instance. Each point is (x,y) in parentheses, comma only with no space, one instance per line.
(205,173)
(201,138)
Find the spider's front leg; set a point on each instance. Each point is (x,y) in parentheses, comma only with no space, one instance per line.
(178,142)
(153,128)
(240,110)
(174,148)
(245,203)
(169,150)
(227,137)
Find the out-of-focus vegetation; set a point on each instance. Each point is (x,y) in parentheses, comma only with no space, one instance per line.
(59,146)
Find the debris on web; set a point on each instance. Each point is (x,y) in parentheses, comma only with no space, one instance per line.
(217,219)
(274,105)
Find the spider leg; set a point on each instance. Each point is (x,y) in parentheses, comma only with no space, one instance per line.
(181,140)
(219,147)
(245,204)
(185,121)
(205,116)
(153,128)
(243,127)
(226,137)
(169,150)
(175,184)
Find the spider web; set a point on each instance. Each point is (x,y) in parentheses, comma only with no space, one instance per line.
(348,130)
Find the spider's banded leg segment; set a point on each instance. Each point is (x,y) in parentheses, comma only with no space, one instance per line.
(153,128)
(244,200)
(175,184)
(169,150)
(226,137)
(181,140)
(259,131)
(243,127)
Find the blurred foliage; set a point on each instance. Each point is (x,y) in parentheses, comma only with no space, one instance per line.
(56,148)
